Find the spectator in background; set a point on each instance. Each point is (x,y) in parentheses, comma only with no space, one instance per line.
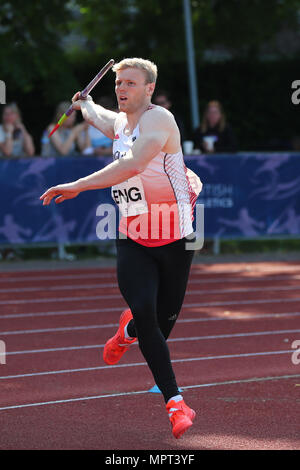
(100,144)
(162,98)
(63,141)
(214,134)
(15,141)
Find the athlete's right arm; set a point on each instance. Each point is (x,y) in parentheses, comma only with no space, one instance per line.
(99,117)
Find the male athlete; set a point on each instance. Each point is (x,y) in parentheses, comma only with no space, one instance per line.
(153,190)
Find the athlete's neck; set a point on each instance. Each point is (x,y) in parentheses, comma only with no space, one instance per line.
(133,118)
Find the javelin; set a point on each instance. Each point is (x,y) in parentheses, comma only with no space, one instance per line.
(84,93)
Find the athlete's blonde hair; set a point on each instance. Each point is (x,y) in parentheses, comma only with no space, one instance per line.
(147,66)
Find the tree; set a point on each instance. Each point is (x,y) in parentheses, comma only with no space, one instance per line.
(31,52)
(243,26)
(154,28)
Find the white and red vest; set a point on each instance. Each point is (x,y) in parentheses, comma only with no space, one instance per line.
(156,205)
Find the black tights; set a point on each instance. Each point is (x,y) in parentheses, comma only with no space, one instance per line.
(153,281)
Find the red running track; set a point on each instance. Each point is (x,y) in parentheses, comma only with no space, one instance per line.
(232,350)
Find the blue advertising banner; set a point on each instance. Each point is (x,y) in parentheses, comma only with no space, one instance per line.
(244,195)
(250,194)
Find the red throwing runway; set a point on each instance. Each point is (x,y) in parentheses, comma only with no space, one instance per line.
(234,350)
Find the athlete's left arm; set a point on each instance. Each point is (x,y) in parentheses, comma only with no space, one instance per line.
(155,128)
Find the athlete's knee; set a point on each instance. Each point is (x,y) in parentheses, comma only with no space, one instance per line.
(166,329)
(167,320)
(144,315)
(142,307)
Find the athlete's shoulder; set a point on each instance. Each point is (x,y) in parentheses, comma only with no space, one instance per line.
(154,109)
(158,115)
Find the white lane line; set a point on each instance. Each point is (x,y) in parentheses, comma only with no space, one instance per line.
(122,394)
(59,299)
(186,320)
(235,335)
(243,302)
(229,382)
(83,276)
(48,330)
(118,309)
(233,317)
(136,364)
(99,274)
(197,270)
(172,340)
(62,312)
(118,295)
(59,288)
(251,267)
(244,279)
(98,286)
